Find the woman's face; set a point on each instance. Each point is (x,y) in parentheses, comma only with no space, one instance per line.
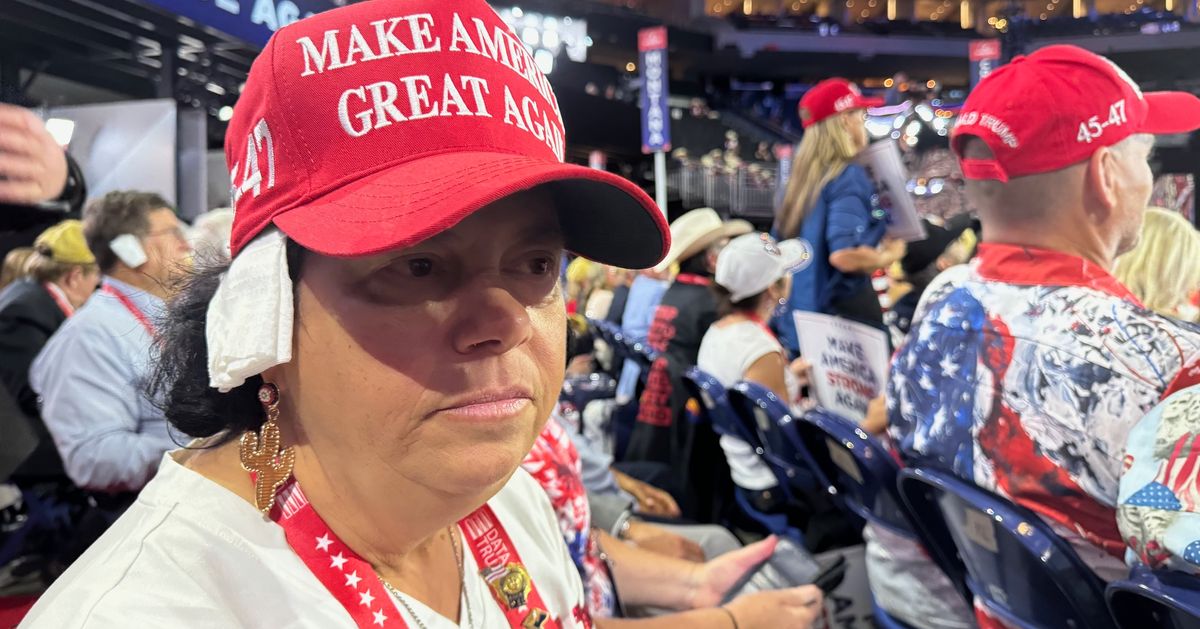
(438,363)
(856,125)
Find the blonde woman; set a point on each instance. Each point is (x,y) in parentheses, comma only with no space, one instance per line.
(829,204)
(1163,270)
(16,264)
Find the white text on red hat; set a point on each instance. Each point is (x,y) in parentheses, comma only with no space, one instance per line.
(365,108)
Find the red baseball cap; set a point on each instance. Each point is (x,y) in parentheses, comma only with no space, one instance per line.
(830,97)
(1056,107)
(377,125)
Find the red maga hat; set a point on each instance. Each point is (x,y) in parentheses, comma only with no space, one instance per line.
(1056,107)
(375,126)
(831,97)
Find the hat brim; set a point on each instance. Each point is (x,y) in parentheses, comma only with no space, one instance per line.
(1171,112)
(728,229)
(795,255)
(603,217)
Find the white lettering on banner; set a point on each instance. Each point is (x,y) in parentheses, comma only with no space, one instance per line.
(655,124)
(274,16)
(230,6)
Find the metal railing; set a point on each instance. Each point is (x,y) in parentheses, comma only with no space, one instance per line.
(744,190)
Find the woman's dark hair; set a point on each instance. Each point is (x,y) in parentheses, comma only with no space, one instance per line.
(180,381)
(727,306)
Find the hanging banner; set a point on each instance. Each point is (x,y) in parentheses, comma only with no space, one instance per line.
(656,116)
(985,57)
(252,21)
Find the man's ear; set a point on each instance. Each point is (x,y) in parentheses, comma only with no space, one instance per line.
(1103,181)
(74,277)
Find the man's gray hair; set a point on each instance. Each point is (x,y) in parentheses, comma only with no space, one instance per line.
(115,214)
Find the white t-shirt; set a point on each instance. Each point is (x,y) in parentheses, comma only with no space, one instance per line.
(726,353)
(189,553)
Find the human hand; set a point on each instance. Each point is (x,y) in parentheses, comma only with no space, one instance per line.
(802,369)
(651,500)
(793,608)
(893,249)
(33,167)
(713,580)
(876,421)
(659,540)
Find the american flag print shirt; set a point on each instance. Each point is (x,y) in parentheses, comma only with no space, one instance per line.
(1159,511)
(1025,373)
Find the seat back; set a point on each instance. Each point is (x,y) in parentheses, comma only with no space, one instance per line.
(1014,563)
(637,351)
(763,413)
(1165,600)
(720,414)
(856,469)
(579,391)
(718,411)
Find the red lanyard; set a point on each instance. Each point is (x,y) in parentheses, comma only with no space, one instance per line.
(694,280)
(132,308)
(57,295)
(354,583)
(755,319)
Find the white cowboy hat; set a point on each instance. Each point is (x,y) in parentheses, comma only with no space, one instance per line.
(698,230)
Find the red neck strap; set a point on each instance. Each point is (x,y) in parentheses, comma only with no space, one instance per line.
(694,280)
(353,582)
(132,308)
(757,320)
(60,299)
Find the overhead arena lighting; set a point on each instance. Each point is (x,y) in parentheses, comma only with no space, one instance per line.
(548,35)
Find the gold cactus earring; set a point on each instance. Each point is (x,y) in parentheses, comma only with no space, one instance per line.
(262,455)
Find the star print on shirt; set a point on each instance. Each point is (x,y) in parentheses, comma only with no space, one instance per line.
(323,542)
(380,618)
(352,579)
(338,561)
(366,598)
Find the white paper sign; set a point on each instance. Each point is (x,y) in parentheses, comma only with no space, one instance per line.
(849,362)
(886,169)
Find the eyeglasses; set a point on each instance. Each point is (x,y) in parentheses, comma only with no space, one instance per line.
(176,231)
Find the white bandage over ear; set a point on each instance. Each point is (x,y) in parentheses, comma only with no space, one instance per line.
(249,324)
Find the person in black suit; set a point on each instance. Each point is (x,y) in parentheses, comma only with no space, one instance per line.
(63,274)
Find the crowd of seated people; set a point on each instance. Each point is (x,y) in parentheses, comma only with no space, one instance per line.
(987,382)
(1050,363)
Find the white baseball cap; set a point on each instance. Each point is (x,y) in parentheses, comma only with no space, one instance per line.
(752,263)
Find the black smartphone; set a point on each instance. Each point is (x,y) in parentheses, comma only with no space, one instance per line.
(831,575)
(790,565)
